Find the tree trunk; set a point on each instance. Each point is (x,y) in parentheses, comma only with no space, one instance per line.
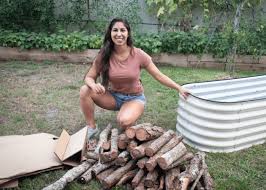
(230,66)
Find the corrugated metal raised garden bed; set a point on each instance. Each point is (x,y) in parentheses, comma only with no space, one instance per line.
(225,115)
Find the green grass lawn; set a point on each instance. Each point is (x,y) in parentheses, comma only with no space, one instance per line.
(44,97)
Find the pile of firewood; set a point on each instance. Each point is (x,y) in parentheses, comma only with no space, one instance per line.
(142,157)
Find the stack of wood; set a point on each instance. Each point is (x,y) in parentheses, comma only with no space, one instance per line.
(143,157)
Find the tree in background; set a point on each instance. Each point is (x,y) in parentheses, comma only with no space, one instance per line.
(229,9)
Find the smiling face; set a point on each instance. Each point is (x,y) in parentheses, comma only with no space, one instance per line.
(119,34)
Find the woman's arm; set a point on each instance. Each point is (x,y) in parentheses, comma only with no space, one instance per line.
(90,80)
(165,80)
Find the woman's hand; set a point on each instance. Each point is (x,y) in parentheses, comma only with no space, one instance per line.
(97,88)
(184,92)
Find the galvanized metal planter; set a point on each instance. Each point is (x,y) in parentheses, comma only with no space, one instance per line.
(224,116)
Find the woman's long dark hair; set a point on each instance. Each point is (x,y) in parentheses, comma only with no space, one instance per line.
(108,48)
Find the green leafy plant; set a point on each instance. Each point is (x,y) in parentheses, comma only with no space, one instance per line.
(194,42)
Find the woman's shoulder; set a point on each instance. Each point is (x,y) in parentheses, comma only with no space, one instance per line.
(139,52)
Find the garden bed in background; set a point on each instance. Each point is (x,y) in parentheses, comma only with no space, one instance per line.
(243,63)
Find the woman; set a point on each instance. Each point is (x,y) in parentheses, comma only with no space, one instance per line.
(119,63)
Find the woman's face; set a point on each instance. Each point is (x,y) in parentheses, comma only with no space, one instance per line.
(119,34)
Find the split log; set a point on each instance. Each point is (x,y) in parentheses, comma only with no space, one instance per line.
(129,175)
(113,153)
(141,162)
(103,137)
(186,157)
(92,155)
(111,180)
(151,179)
(122,158)
(191,173)
(139,151)
(123,141)
(131,131)
(170,177)
(159,142)
(104,174)
(70,176)
(169,157)
(147,133)
(152,162)
(138,177)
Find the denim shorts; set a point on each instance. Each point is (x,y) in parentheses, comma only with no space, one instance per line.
(121,98)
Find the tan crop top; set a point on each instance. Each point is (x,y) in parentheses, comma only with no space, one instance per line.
(124,76)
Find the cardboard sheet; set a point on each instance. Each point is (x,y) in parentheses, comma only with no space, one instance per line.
(21,155)
(70,149)
(31,154)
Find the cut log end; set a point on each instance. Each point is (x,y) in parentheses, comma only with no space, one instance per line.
(163,163)
(149,152)
(141,134)
(130,133)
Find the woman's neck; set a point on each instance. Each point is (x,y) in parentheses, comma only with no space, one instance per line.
(121,49)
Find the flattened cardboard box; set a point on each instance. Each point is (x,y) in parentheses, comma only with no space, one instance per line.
(30,154)
(70,149)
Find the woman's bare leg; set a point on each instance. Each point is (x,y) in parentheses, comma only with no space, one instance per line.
(129,113)
(87,100)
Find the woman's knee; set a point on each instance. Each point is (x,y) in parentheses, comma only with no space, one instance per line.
(125,121)
(84,91)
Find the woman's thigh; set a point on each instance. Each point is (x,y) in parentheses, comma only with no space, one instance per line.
(106,100)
